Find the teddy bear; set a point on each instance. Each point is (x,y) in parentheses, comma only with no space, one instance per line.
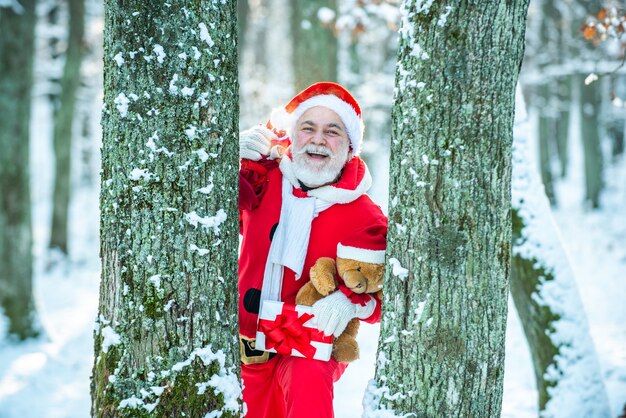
(359,277)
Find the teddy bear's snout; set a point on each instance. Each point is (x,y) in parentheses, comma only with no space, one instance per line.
(355,281)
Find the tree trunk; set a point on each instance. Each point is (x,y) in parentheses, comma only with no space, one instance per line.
(617,121)
(314,44)
(564,93)
(243,10)
(165,340)
(16,79)
(589,119)
(547,134)
(444,317)
(63,121)
(544,290)
(549,52)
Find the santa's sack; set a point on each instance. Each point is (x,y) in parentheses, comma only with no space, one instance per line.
(291,330)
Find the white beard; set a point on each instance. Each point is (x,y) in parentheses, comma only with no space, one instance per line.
(312,174)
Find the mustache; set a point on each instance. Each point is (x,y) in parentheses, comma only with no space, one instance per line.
(317,149)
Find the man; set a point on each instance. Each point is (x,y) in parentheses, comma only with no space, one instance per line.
(297,206)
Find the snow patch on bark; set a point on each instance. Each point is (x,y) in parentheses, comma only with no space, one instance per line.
(201,251)
(121,102)
(204,35)
(160,53)
(443,18)
(109,338)
(140,173)
(207,221)
(397,269)
(225,381)
(119,59)
(372,406)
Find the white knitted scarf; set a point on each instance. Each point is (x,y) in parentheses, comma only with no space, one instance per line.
(291,239)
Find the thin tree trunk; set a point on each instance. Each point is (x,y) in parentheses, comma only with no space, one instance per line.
(16,78)
(548,52)
(564,85)
(314,44)
(165,341)
(63,121)
(441,349)
(589,119)
(544,290)
(243,10)
(547,134)
(617,121)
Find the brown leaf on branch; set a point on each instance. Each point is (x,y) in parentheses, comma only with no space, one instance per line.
(589,32)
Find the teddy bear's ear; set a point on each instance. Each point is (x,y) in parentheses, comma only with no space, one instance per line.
(322,275)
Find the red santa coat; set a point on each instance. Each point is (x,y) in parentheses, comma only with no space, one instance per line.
(260,205)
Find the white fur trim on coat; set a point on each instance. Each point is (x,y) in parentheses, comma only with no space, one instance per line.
(328,193)
(361,254)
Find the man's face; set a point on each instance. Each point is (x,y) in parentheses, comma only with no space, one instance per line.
(320,147)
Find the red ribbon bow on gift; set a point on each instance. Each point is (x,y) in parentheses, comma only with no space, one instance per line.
(287,332)
(360,298)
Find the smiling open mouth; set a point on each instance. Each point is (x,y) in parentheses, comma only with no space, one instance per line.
(317,155)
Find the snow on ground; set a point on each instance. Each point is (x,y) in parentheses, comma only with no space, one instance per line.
(595,240)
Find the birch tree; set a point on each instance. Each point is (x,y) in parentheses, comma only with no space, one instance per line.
(543,286)
(17,20)
(165,338)
(441,349)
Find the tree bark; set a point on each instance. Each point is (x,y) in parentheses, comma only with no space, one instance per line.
(165,340)
(616,121)
(544,290)
(16,78)
(589,120)
(444,317)
(564,94)
(547,134)
(63,122)
(243,10)
(314,44)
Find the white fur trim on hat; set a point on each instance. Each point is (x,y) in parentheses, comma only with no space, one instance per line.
(354,124)
(361,254)
(281,119)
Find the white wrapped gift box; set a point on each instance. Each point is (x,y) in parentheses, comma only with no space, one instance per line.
(291,330)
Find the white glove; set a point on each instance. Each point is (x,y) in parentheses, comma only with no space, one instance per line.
(335,311)
(255,143)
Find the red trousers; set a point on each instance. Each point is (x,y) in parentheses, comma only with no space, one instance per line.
(290,387)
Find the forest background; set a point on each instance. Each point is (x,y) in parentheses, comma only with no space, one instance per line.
(574,83)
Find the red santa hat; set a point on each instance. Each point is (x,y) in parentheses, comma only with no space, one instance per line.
(329,95)
(367,246)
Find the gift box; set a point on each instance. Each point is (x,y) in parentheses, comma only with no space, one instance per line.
(291,330)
